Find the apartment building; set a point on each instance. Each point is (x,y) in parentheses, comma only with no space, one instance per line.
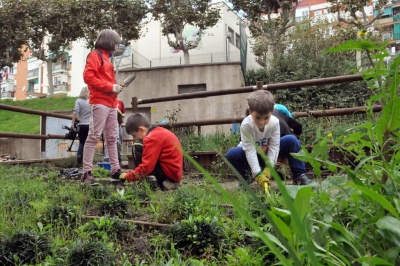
(389,24)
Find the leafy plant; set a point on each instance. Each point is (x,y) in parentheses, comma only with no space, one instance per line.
(23,247)
(106,229)
(63,215)
(113,206)
(89,253)
(196,234)
(99,192)
(100,172)
(182,205)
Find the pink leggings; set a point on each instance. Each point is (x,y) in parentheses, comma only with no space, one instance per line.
(101,118)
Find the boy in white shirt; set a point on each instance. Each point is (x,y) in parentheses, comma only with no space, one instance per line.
(262,128)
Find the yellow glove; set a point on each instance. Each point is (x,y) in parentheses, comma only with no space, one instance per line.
(263,179)
(122,177)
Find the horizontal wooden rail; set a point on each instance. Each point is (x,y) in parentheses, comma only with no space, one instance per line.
(247,89)
(29,136)
(32,112)
(319,113)
(31,161)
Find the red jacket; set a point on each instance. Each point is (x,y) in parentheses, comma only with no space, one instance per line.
(160,145)
(100,79)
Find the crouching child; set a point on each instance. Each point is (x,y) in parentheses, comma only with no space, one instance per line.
(260,128)
(161,162)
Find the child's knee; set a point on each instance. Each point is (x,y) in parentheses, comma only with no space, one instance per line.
(233,154)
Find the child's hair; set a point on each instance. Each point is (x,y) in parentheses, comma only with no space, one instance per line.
(261,101)
(84,93)
(107,40)
(135,121)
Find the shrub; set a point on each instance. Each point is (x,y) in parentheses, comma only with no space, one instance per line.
(89,253)
(23,247)
(195,235)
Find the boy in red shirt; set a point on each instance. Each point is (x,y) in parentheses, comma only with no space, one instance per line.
(162,160)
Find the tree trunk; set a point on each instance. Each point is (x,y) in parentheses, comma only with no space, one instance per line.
(186,56)
(50,90)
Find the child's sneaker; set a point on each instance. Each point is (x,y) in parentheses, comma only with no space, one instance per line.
(115,176)
(87,178)
(168,185)
(153,182)
(302,180)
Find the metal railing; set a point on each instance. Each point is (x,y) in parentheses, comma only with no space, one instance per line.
(139,61)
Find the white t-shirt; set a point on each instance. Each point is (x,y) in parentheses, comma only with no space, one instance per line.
(268,141)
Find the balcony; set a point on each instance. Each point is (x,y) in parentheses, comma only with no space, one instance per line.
(60,90)
(384,20)
(33,74)
(7,95)
(57,68)
(8,87)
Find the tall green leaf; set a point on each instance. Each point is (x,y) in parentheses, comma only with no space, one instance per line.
(377,198)
(302,201)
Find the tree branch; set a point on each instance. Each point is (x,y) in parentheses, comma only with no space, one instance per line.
(377,16)
(340,19)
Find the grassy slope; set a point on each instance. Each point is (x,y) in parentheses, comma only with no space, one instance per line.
(25,123)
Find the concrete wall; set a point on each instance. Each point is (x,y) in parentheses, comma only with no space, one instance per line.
(164,81)
(21,148)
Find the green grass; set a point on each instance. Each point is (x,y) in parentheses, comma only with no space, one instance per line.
(25,123)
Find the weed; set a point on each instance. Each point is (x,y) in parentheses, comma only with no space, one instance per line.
(197,234)
(84,253)
(113,206)
(99,192)
(106,229)
(62,215)
(182,205)
(100,172)
(23,247)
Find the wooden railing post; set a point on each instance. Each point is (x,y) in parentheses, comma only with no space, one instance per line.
(134,104)
(259,85)
(43,132)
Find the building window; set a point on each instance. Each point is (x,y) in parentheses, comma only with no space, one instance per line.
(57,80)
(232,33)
(31,85)
(191,88)
(237,41)
(318,13)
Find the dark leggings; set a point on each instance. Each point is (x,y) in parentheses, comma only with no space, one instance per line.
(83,131)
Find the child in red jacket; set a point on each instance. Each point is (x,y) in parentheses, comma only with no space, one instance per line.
(162,160)
(103,99)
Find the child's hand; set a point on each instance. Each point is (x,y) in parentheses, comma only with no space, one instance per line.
(117,88)
(263,179)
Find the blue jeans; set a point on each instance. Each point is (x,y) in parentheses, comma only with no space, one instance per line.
(288,144)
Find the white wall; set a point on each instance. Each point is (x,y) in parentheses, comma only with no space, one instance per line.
(154,46)
(78,55)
